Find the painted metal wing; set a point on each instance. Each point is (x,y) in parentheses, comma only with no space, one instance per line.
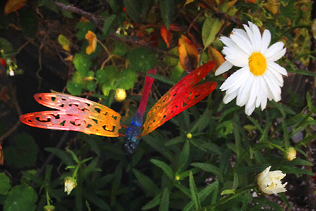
(75,114)
(180,97)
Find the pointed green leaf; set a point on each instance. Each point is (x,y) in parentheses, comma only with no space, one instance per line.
(164,203)
(210,29)
(167,8)
(194,193)
(153,203)
(209,168)
(146,183)
(133,9)
(164,167)
(108,23)
(64,156)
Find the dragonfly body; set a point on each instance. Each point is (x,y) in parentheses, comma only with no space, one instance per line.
(133,132)
(78,114)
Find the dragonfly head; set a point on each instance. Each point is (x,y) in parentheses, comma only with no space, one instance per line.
(130,147)
(131,139)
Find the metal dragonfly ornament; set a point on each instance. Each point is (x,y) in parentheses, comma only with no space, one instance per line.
(83,115)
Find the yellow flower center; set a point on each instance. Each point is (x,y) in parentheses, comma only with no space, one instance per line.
(257,63)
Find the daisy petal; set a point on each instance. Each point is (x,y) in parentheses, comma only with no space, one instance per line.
(273,89)
(242,43)
(277,67)
(223,68)
(277,77)
(237,77)
(274,49)
(230,97)
(237,60)
(244,91)
(277,56)
(257,36)
(266,39)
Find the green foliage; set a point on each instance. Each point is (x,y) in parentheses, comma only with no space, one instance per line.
(142,59)
(5,184)
(21,197)
(207,157)
(23,153)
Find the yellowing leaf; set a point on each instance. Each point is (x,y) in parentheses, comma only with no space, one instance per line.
(273,6)
(215,55)
(64,42)
(313,28)
(83,19)
(92,39)
(1,155)
(166,35)
(13,5)
(188,54)
(188,2)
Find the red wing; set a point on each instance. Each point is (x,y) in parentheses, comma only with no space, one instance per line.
(179,98)
(75,114)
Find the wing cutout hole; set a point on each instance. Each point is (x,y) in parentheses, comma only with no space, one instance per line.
(97,110)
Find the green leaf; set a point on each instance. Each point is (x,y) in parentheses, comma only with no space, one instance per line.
(167,8)
(194,194)
(210,29)
(24,153)
(184,157)
(302,72)
(120,49)
(64,42)
(146,183)
(93,198)
(74,88)
(127,79)
(133,9)
(228,191)
(7,48)
(164,167)
(5,184)
(142,59)
(83,28)
(63,155)
(153,203)
(82,63)
(108,23)
(209,168)
(49,4)
(28,22)
(203,194)
(21,197)
(91,86)
(177,71)
(164,203)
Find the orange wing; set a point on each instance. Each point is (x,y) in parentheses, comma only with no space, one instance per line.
(75,114)
(180,97)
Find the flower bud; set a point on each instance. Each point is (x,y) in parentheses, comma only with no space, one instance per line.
(120,95)
(290,154)
(70,184)
(49,208)
(189,135)
(270,181)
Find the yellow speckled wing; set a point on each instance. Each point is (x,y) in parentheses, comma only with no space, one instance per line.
(75,114)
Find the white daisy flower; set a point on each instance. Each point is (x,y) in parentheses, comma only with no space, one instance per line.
(269,182)
(259,77)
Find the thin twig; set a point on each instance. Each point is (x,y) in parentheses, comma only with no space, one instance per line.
(94,18)
(18,109)
(76,10)
(51,156)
